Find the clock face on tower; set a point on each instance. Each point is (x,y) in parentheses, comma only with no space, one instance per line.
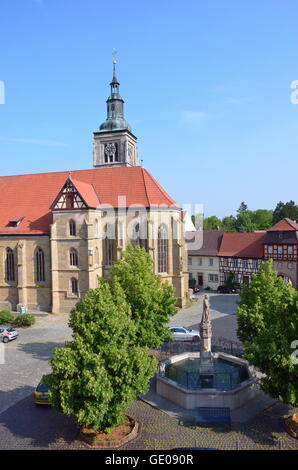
(110,152)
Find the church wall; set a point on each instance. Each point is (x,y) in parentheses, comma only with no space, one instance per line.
(25,290)
(89,244)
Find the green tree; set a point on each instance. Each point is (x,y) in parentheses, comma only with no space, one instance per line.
(242,208)
(282,210)
(212,223)
(268,326)
(245,221)
(97,375)
(263,219)
(229,224)
(152,301)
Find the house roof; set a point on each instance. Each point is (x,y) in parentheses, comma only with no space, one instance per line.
(242,245)
(211,243)
(284,225)
(32,195)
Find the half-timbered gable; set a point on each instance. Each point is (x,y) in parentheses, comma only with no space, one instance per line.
(240,256)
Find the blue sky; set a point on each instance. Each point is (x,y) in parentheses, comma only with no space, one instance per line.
(206,86)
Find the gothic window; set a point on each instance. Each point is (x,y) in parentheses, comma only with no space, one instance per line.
(39,265)
(72,228)
(109,245)
(10,269)
(138,237)
(73,257)
(162,249)
(74,288)
(109,251)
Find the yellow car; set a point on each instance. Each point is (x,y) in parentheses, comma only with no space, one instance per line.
(41,395)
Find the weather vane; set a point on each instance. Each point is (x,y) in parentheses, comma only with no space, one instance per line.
(114,53)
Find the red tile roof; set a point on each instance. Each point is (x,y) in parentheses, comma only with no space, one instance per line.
(211,242)
(32,195)
(242,245)
(284,225)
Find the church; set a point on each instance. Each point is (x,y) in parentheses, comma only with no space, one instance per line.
(61,231)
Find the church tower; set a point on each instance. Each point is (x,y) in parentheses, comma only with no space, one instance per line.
(114,144)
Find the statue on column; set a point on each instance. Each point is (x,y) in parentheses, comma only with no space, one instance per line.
(206,310)
(205,325)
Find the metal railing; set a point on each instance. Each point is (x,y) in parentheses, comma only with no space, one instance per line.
(218,344)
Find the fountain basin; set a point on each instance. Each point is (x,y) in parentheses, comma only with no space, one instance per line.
(232,384)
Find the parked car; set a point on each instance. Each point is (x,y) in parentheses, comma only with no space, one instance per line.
(226,290)
(41,394)
(180,333)
(8,333)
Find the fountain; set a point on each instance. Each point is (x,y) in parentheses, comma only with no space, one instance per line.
(204,378)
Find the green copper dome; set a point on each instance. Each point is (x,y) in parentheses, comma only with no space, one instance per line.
(115,110)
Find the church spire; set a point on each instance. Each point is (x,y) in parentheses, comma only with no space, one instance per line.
(115,107)
(114,144)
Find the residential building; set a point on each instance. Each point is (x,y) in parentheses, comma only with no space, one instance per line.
(240,256)
(203,263)
(281,245)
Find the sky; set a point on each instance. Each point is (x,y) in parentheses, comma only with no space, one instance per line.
(206,84)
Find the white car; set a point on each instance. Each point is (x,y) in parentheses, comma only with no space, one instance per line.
(7,333)
(180,333)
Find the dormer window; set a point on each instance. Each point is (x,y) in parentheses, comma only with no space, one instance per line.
(16,221)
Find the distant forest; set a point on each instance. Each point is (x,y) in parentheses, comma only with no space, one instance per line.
(248,221)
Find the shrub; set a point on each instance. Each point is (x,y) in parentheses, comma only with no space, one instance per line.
(25,320)
(5,316)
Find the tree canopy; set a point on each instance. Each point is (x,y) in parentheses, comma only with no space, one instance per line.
(247,220)
(107,364)
(268,327)
(151,300)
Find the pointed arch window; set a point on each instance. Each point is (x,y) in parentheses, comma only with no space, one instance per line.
(39,265)
(74,286)
(109,245)
(73,257)
(163,249)
(72,228)
(10,265)
(139,236)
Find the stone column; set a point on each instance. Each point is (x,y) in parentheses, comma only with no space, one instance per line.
(54,269)
(22,274)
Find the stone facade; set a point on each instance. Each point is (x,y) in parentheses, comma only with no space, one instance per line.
(54,294)
(24,289)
